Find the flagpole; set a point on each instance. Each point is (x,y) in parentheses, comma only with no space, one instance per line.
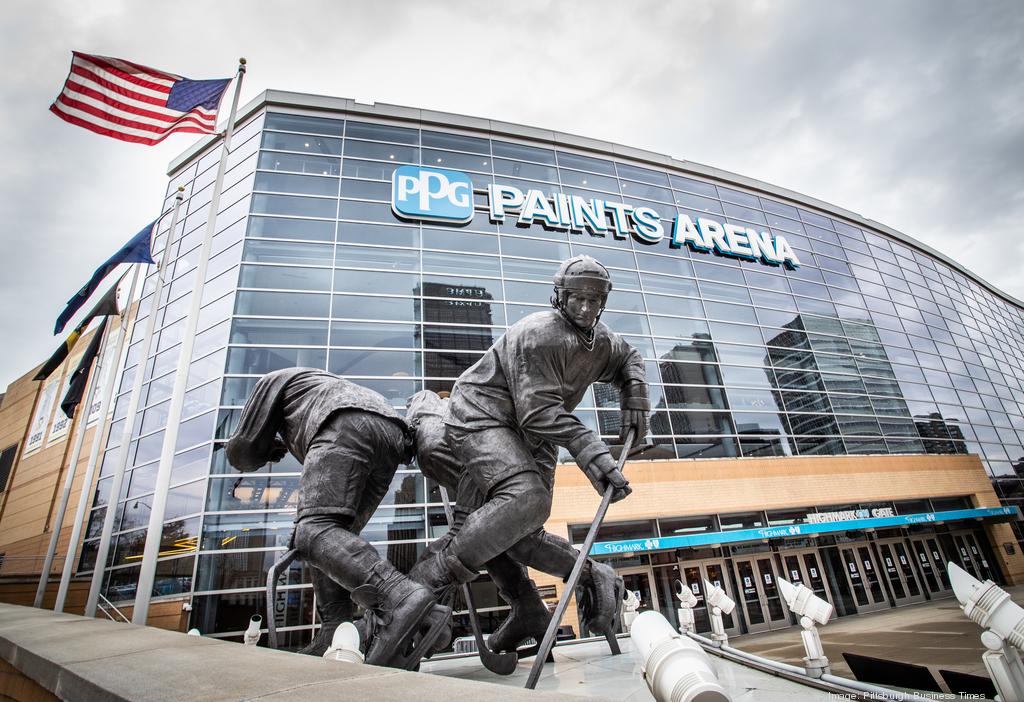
(129,421)
(106,356)
(76,452)
(154,534)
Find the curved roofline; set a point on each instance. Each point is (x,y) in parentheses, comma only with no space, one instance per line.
(448,120)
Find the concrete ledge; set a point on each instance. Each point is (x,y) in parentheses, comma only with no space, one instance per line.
(77,658)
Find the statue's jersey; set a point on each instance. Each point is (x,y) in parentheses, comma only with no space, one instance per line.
(534,376)
(297,402)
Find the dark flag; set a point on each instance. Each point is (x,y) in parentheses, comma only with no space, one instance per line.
(76,389)
(106,307)
(135,251)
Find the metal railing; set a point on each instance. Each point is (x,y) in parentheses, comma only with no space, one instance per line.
(106,606)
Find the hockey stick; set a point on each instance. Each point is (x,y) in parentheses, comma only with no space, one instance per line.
(497,663)
(577,570)
(275,571)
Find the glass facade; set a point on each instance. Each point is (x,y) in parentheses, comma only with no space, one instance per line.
(871,346)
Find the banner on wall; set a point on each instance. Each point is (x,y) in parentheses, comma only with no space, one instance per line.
(61,423)
(102,375)
(41,418)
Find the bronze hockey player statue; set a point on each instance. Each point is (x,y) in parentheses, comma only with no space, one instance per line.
(350,441)
(504,422)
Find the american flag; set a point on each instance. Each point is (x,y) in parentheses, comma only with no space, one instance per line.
(130,102)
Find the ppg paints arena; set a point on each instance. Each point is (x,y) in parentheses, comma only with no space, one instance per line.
(835,403)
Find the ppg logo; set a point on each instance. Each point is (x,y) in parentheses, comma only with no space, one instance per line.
(432,193)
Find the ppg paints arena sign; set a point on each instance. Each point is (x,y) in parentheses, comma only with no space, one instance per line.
(441,195)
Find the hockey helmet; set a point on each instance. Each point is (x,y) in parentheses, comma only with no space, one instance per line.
(583,273)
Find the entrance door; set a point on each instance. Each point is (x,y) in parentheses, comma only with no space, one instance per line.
(759,593)
(930,560)
(899,572)
(862,574)
(641,580)
(804,568)
(693,574)
(970,553)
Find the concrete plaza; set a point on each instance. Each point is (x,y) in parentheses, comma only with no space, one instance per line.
(935,634)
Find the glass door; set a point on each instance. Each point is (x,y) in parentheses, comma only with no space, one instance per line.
(932,563)
(899,573)
(759,594)
(693,574)
(693,578)
(804,568)
(862,574)
(641,580)
(714,572)
(665,579)
(967,546)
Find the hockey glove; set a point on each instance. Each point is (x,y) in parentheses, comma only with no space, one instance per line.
(602,472)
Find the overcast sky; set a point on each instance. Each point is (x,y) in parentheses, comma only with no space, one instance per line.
(908,113)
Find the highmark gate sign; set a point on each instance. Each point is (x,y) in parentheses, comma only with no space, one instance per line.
(717,538)
(441,195)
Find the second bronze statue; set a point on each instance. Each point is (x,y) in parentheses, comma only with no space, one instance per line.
(350,442)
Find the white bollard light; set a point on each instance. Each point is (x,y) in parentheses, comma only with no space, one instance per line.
(802,601)
(194,632)
(720,604)
(630,605)
(990,606)
(345,645)
(687,601)
(251,637)
(675,668)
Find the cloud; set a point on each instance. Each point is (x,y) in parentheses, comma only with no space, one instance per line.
(908,113)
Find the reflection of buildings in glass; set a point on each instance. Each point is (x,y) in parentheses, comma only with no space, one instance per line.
(607,395)
(692,382)
(688,364)
(264,493)
(403,556)
(408,492)
(1018,467)
(944,437)
(795,369)
(464,305)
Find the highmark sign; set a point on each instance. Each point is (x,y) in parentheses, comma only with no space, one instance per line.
(794,530)
(442,195)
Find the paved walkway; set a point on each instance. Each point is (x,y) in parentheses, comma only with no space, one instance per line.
(935,634)
(587,669)
(75,658)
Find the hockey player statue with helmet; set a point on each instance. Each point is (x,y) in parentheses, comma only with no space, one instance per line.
(350,441)
(505,419)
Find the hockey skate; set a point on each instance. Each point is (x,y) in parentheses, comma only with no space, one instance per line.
(529,616)
(599,596)
(403,623)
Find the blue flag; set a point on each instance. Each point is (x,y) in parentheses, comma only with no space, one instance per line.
(135,251)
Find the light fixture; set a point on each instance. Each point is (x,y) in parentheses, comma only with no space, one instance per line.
(720,603)
(810,608)
(674,667)
(345,645)
(251,637)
